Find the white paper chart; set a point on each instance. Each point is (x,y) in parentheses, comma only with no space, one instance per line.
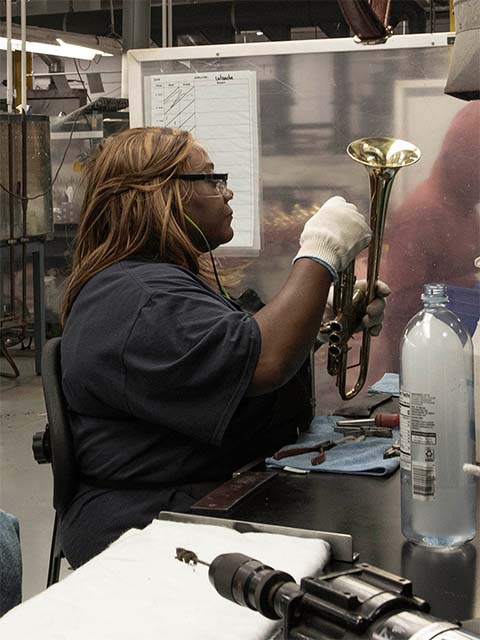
(220,109)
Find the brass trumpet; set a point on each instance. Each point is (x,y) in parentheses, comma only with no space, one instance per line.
(382,157)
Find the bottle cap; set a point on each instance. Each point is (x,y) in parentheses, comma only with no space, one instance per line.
(435,292)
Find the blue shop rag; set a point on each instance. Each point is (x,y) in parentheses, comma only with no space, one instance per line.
(389,383)
(358,458)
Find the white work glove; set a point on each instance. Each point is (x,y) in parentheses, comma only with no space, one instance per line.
(373,318)
(334,235)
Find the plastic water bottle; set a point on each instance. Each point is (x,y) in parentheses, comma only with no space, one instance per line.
(437,432)
(476,385)
(476,381)
(476,376)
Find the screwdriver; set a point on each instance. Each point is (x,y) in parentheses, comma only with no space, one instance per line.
(381,420)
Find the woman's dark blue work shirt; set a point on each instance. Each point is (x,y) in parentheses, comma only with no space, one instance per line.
(155,368)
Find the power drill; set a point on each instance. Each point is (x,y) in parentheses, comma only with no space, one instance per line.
(360,602)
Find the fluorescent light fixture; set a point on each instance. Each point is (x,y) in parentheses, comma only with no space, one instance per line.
(62,50)
(75,51)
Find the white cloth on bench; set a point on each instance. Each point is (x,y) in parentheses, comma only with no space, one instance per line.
(136,589)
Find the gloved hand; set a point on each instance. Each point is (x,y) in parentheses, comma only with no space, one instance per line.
(334,235)
(373,318)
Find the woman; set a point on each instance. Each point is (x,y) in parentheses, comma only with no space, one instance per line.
(170,385)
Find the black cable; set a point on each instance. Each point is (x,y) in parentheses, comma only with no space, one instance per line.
(112,31)
(223,291)
(39,195)
(88,66)
(81,79)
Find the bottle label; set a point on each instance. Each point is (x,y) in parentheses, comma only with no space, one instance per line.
(405,452)
(418,442)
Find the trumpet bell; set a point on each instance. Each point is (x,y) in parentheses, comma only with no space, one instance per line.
(383,152)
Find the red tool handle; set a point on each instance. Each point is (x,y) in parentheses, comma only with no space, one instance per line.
(294,451)
(318,459)
(388,420)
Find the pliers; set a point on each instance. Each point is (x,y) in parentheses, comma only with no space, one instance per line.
(319,449)
(393,451)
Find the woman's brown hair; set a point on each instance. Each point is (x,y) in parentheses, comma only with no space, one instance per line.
(133,206)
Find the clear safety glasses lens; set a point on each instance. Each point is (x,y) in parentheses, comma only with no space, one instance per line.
(219,180)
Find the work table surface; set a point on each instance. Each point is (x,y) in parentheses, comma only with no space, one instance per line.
(368,508)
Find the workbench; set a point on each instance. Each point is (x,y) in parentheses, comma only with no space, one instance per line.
(368,508)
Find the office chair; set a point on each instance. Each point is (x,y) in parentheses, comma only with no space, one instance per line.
(55,445)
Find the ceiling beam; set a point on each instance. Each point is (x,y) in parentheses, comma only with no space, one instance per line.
(207,17)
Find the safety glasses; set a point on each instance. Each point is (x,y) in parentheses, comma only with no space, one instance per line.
(219,180)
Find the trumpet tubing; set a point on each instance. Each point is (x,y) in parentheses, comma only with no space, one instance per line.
(382,157)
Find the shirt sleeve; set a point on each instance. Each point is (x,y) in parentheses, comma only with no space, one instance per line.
(189,359)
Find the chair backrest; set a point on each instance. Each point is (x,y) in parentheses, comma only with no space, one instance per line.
(65,474)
